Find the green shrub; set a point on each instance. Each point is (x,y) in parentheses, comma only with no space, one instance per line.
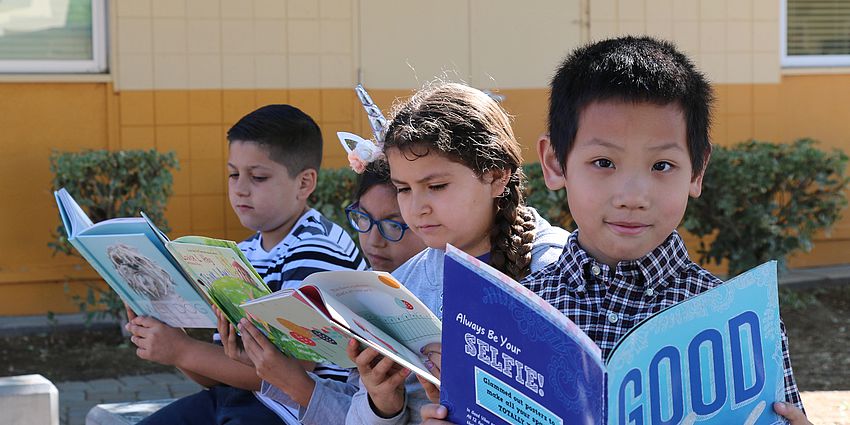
(335,191)
(760,201)
(763,201)
(110,184)
(552,205)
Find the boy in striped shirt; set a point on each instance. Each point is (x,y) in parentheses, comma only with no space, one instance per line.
(273,163)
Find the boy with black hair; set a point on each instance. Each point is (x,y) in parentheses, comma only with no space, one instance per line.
(629,141)
(274,157)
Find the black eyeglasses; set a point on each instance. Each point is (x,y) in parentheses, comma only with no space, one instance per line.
(391,230)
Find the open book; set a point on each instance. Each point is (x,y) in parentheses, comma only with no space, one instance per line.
(173,281)
(331,308)
(509,356)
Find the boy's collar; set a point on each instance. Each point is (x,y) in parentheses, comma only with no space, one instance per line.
(651,270)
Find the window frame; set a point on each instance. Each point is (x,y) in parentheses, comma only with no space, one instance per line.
(804,61)
(96,65)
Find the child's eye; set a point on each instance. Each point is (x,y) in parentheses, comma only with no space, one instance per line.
(233,176)
(662,166)
(603,163)
(438,186)
(260,178)
(402,189)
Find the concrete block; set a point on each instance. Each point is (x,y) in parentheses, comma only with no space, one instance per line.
(28,399)
(123,413)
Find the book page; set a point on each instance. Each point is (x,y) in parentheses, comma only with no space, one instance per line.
(714,358)
(382,301)
(74,218)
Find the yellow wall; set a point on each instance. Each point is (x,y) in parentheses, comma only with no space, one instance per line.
(183,71)
(39,117)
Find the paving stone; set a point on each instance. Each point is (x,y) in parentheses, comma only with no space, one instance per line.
(153,394)
(72,386)
(71,395)
(165,378)
(135,381)
(105,385)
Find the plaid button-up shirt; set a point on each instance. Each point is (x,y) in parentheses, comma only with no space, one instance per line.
(606,303)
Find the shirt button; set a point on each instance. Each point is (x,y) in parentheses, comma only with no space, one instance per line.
(612,318)
(595,270)
(649,292)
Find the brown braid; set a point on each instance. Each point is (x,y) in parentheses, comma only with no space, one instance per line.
(513,233)
(471,128)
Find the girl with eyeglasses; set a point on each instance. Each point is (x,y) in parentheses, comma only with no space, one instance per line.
(385,239)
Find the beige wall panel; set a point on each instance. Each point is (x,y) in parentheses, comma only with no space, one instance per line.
(237,36)
(203,36)
(686,36)
(404,44)
(168,8)
(631,10)
(270,36)
(739,36)
(767,10)
(204,71)
(203,8)
(170,71)
(302,9)
(739,10)
(270,9)
(135,71)
(662,28)
(766,68)
(304,36)
(766,36)
(660,9)
(135,35)
(238,9)
(304,71)
(237,71)
(541,34)
(271,71)
(629,27)
(336,9)
(713,9)
(134,8)
(686,9)
(603,10)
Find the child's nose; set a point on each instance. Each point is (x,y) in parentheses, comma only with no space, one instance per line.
(374,237)
(633,193)
(241,186)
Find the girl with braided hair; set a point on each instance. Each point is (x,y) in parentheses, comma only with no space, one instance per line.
(455,163)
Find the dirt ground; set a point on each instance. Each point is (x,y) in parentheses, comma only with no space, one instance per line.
(818,323)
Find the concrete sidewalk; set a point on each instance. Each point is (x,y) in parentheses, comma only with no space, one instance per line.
(76,398)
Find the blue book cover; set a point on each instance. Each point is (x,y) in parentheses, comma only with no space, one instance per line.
(510,357)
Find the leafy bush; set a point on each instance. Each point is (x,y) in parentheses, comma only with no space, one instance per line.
(551,205)
(335,191)
(110,184)
(760,201)
(763,201)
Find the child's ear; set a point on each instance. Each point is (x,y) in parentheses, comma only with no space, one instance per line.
(499,181)
(553,174)
(307,181)
(695,189)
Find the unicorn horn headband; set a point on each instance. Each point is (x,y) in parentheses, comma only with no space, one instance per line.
(360,151)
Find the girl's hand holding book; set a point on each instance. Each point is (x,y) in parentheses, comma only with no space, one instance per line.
(382,377)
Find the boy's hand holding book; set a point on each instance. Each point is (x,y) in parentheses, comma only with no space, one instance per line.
(794,415)
(156,341)
(272,366)
(229,339)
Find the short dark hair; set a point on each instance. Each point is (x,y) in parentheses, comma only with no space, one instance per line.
(630,69)
(292,138)
(377,173)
